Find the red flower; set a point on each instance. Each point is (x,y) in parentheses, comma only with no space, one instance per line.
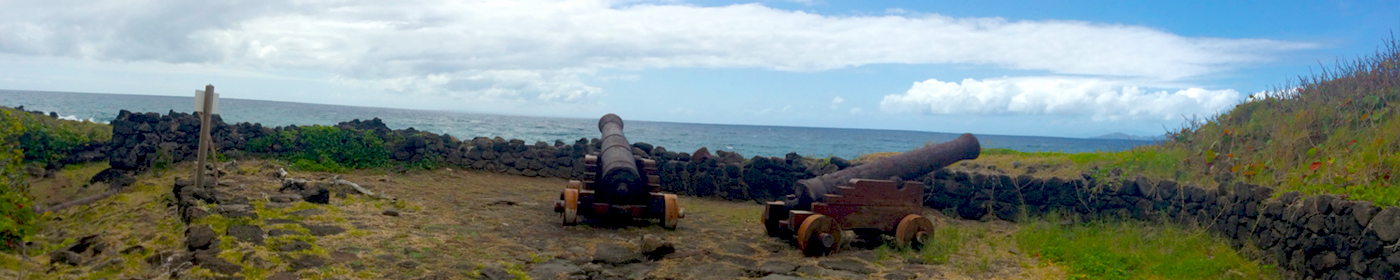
(1316,165)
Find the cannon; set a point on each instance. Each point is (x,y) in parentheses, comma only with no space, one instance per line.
(618,184)
(873,197)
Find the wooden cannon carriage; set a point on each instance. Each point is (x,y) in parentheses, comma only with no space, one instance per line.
(874,197)
(617,184)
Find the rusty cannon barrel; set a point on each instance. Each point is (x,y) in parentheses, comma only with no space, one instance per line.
(618,173)
(618,184)
(906,166)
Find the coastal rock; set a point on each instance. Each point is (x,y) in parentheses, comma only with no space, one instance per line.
(700,155)
(840,163)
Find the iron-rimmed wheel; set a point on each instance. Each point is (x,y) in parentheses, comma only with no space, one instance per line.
(570,206)
(913,232)
(673,212)
(819,236)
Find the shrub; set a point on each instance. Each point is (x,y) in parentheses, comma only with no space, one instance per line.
(49,141)
(17,218)
(328,148)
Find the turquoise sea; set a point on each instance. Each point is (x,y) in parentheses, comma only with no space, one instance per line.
(748,140)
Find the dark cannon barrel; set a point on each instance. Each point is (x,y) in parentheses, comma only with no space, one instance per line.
(906,166)
(619,174)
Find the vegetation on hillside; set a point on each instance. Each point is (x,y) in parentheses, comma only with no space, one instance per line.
(17,218)
(1337,132)
(49,141)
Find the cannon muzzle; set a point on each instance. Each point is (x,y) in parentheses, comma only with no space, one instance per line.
(906,166)
(619,175)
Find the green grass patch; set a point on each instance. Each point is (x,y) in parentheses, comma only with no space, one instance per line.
(946,241)
(1137,250)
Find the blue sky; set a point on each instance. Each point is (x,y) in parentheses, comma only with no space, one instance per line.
(1044,68)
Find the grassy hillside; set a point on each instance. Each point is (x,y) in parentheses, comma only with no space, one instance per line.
(1337,131)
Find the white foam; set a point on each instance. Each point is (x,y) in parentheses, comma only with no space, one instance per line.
(76,119)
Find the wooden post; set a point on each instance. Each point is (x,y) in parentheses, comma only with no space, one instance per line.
(204,119)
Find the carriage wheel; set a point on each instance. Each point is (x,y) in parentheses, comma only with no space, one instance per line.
(771,223)
(570,206)
(913,232)
(819,235)
(673,212)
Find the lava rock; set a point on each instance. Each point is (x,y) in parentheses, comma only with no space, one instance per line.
(248,233)
(1386,224)
(236,211)
(200,237)
(614,254)
(654,247)
(776,267)
(212,262)
(737,249)
(318,196)
(494,272)
(847,265)
(307,261)
(554,269)
(294,245)
(65,257)
(324,230)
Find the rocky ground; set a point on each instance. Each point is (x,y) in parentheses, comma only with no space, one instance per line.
(452,224)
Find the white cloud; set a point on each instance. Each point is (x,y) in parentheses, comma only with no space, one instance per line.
(497,48)
(836,102)
(526,85)
(1101,99)
(856,110)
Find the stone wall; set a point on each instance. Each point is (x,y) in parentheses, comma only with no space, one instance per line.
(143,140)
(1321,236)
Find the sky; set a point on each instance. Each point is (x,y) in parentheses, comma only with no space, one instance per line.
(1040,68)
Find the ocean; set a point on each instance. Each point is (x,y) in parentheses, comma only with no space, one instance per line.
(747,140)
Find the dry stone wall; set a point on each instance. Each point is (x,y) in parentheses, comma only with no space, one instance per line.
(1318,237)
(1321,237)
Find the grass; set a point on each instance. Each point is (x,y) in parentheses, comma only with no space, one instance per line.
(1331,132)
(1137,250)
(946,241)
(137,216)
